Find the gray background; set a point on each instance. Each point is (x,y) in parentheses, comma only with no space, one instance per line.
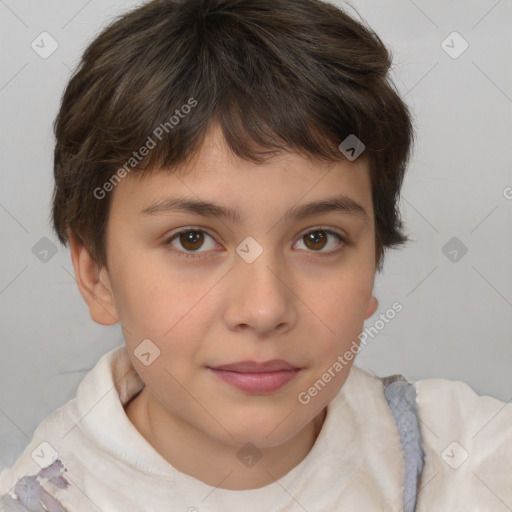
(456,321)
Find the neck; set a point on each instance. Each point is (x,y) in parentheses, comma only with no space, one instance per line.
(193,452)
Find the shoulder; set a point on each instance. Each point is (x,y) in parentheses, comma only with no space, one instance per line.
(467,440)
(39,471)
(452,407)
(67,441)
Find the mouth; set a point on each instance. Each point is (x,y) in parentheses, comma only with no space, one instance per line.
(255,377)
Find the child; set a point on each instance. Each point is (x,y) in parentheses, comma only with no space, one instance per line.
(227,174)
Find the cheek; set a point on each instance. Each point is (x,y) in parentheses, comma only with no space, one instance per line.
(342,309)
(147,295)
(343,304)
(166,310)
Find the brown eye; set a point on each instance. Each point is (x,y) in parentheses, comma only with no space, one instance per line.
(318,239)
(188,243)
(315,240)
(191,240)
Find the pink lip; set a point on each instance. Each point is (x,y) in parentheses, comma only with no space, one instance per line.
(257,377)
(275,365)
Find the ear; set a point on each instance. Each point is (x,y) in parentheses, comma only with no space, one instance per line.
(373,304)
(93,283)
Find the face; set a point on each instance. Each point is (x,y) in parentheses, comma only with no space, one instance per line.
(266,285)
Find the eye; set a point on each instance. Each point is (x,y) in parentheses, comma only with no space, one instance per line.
(317,239)
(193,239)
(190,240)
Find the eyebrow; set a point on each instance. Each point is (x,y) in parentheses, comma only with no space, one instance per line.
(342,204)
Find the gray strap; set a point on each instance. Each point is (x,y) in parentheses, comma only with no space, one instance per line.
(401,397)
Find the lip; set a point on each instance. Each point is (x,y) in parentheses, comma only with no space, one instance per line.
(275,365)
(255,377)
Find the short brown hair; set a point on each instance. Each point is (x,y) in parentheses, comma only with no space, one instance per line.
(276,75)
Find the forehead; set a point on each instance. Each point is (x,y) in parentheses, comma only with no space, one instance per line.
(215,175)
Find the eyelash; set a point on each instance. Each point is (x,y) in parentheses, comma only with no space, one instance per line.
(183,254)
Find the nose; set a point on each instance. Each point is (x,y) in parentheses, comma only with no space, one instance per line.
(261,296)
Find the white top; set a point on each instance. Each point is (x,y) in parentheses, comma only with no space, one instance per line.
(355,464)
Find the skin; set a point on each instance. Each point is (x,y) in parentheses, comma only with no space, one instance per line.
(291,303)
